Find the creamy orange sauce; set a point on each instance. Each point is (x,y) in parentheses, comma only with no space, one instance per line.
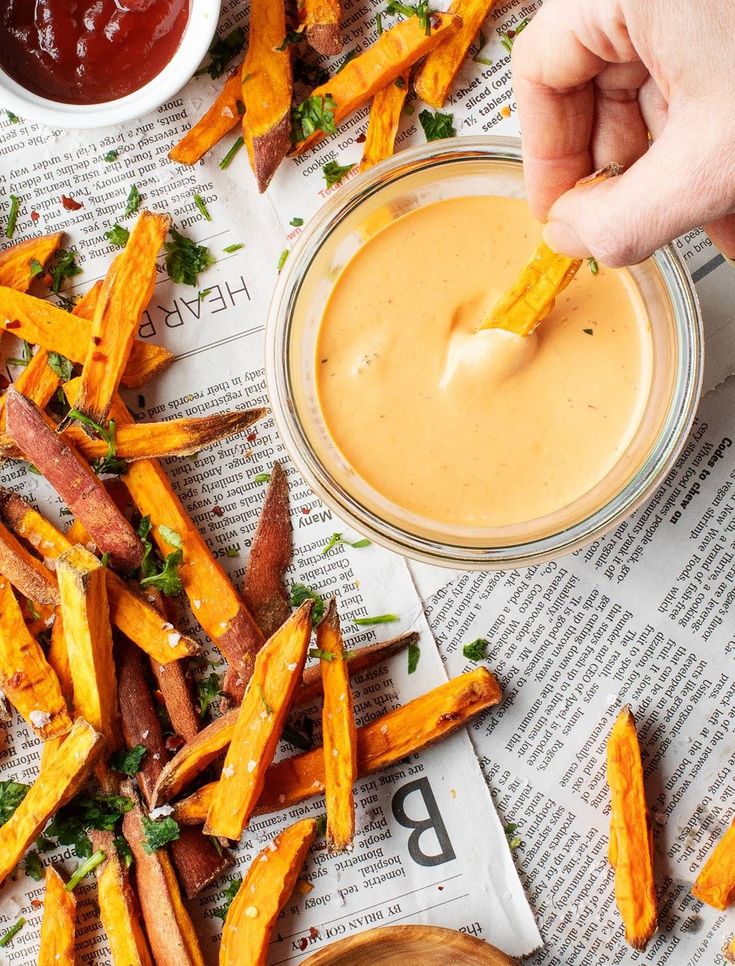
(467,428)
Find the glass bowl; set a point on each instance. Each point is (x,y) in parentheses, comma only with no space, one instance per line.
(356,212)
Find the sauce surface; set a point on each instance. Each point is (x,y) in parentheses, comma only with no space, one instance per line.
(88,51)
(466,428)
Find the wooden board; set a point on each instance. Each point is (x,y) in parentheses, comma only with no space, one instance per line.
(429,945)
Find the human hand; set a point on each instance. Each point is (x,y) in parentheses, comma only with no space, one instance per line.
(592,78)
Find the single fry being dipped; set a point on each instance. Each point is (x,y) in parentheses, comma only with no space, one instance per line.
(265,890)
(88,636)
(265,706)
(125,293)
(221,117)
(385,116)
(631,846)
(383,62)
(58,927)
(715,884)
(118,907)
(381,743)
(338,733)
(26,677)
(436,74)
(57,782)
(17,262)
(322,22)
(267,88)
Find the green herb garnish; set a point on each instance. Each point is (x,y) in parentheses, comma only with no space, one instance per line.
(337,538)
(333,172)
(168,581)
(232,552)
(24,359)
(588,331)
(12,794)
(128,762)
(421,10)
(207,689)
(185,259)
(112,155)
(592,265)
(109,463)
(510,833)
(117,236)
(227,160)
(133,201)
(282,259)
(508,39)
(315,113)
(34,268)
(321,654)
(221,51)
(233,248)
(8,935)
(13,118)
(172,538)
(296,222)
(300,593)
(199,202)
(266,706)
(13,215)
(437,125)
(476,650)
(261,478)
(84,868)
(123,850)
(65,266)
(292,37)
(228,895)
(379,619)
(414,653)
(70,824)
(159,832)
(321,826)
(33,867)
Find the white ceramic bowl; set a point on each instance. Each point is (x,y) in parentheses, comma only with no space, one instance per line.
(197,36)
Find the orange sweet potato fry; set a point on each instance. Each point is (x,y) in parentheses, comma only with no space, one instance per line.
(58,927)
(42,323)
(338,734)
(73,480)
(382,742)
(56,783)
(88,636)
(715,884)
(118,907)
(24,572)
(729,951)
(436,75)
(265,890)
(26,677)
(322,21)
(174,437)
(631,852)
(130,613)
(383,62)
(58,658)
(221,117)
(15,262)
(266,90)
(126,291)
(265,706)
(385,115)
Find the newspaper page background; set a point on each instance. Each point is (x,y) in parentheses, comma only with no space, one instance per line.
(419,856)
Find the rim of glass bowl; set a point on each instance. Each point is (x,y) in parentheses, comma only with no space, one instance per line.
(689,339)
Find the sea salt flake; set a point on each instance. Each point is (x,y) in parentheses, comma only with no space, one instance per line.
(161,812)
(252,912)
(228,771)
(252,765)
(39,719)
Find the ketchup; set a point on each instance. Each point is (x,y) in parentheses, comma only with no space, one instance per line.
(88,51)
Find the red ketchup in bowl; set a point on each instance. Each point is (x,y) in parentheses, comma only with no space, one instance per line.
(88,51)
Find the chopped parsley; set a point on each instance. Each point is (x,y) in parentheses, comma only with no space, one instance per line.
(71,824)
(9,934)
(321,654)
(321,825)
(168,581)
(478,58)
(437,125)
(221,51)
(128,762)
(337,538)
(507,39)
(185,259)
(13,215)
(414,654)
(296,222)
(159,832)
(33,866)
(207,689)
(84,868)
(123,850)
(233,248)
(110,462)
(314,113)
(292,38)
(592,265)
(34,268)
(232,552)
(13,118)
(333,172)
(261,478)
(204,293)
(379,23)
(24,359)
(476,650)
(300,593)
(133,201)
(282,259)
(588,331)
(12,794)
(172,537)
(421,10)
(228,895)
(65,266)
(378,619)
(227,160)
(510,833)
(117,236)
(112,155)
(199,202)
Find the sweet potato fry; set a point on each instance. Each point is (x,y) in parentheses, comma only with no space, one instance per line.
(435,76)
(55,785)
(338,734)
(265,706)
(88,636)
(118,907)
(729,951)
(631,850)
(393,736)
(175,689)
(26,677)
(221,117)
(266,90)
(265,890)
(129,612)
(385,115)
(58,927)
(42,323)
(383,62)
(715,884)
(24,572)
(73,480)
(211,741)
(16,261)
(174,437)
(58,658)
(126,291)
(322,20)
(171,934)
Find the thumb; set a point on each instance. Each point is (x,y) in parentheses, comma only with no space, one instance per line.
(679,183)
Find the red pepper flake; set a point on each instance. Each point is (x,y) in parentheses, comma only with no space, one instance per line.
(302,943)
(313,932)
(96,339)
(12,325)
(361,138)
(174,742)
(305,510)
(36,903)
(218,511)
(71,204)
(35,216)
(99,357)
(251,437)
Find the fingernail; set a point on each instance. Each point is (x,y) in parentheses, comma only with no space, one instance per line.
(562,238)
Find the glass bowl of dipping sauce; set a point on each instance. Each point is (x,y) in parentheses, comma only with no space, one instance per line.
(466,448)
